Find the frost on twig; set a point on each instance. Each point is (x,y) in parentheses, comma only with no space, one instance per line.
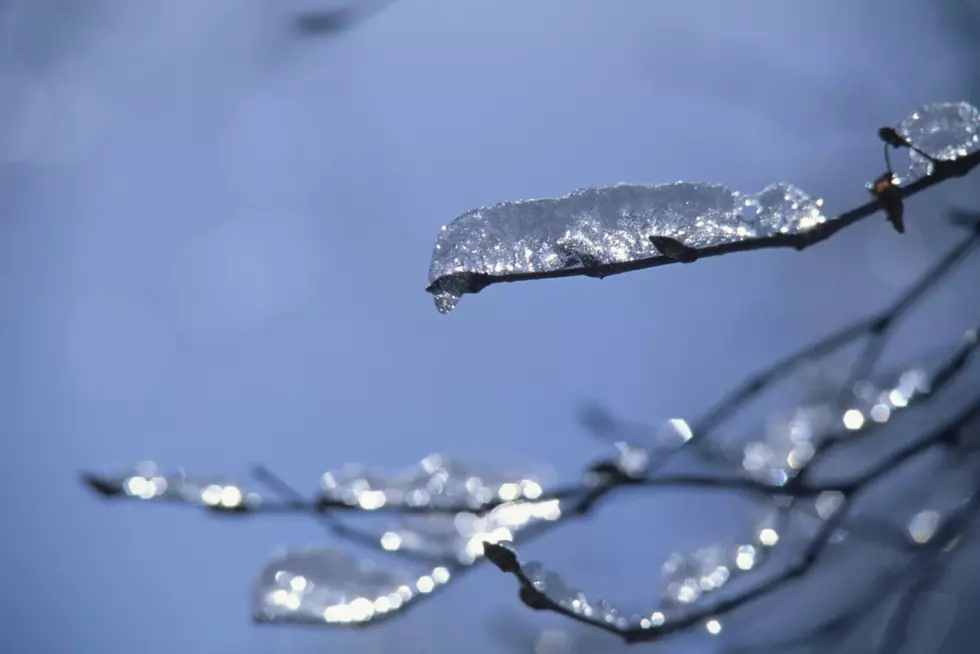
(940,132)
(605,231)
(459,537)
(612,225)
(146,482)
(783,448)
(692,577)
(329,586)
(437,481)
(447,507)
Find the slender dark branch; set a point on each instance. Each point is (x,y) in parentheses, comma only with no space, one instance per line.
(574,499)
(335,21)
(605,477)
(761,381)
(886,320)
(937,558)
(280,487)
(944,170)
(506,559)
(878,323)
(865,363)
(299,503)
(836,626)
(940,379)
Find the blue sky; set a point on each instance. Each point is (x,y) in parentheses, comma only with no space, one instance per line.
(215,235)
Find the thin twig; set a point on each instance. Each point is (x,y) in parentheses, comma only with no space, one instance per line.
(506,559)
(937,558)
(878,323)
(476,282)
(325,22)
(940,379)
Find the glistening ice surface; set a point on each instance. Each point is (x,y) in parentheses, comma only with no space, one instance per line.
(942,130)
(146,482)
(437,480)
(459,537)
(614,224)
(607,225)
(322,585)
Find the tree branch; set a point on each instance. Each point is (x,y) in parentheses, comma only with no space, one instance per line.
(944,170)
(645,630)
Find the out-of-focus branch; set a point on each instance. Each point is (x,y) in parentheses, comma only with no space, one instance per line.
(603,478)
(505,558)
(876,326)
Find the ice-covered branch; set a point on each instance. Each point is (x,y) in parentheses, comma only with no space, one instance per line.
(439,519)
(598,232)
(439,486)
(930,553)
(544,590)
(857,414)
(445,511)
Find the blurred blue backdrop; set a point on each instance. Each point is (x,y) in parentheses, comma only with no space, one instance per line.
(215,231)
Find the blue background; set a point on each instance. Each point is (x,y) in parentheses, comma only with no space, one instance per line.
(215,233)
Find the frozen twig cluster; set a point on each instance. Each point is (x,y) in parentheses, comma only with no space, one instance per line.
(445,516)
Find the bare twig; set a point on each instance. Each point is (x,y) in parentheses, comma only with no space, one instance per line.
(875,326)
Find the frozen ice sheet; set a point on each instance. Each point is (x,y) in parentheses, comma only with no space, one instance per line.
(943,131)
(607,225)
(329,586)
(626,223)
(459,537)
(146,482)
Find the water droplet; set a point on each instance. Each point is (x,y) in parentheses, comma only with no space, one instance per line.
(606,611)
(828,503)
(445,301)
(745,557)
(923,526)
(446,291)
(317,585)
(686,577)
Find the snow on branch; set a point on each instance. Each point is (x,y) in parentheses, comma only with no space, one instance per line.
(598,232)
